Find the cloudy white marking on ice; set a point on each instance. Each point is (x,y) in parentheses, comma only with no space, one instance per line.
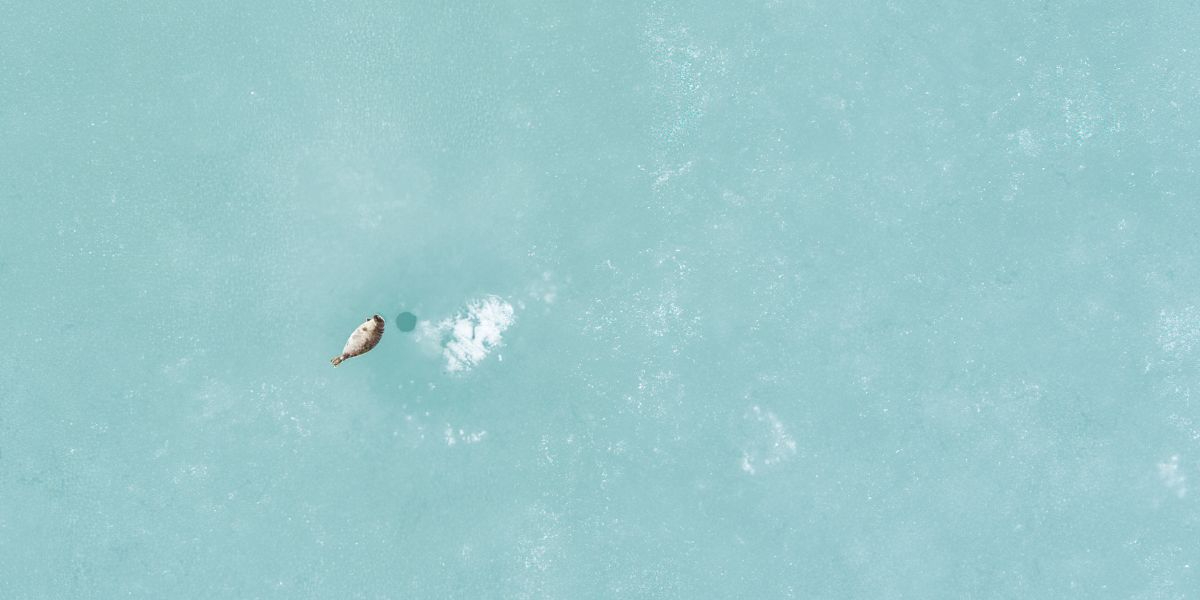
(544,289)
(468,337)
(777,446)
(1172,477)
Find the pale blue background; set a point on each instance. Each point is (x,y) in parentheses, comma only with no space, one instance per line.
(812,299)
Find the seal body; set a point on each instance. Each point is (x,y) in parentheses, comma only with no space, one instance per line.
(362,340)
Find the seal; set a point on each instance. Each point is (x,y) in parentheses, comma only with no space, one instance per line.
(362,340)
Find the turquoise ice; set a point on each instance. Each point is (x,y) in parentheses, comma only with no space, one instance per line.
(785,299)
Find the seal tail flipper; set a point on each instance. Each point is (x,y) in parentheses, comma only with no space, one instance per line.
(337,360)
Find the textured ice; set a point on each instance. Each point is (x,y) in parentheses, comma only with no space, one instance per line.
(1179,331)
(811,300)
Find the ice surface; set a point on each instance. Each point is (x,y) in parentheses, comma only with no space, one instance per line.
(794,300)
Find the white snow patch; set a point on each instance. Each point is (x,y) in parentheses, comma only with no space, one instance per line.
(468,337)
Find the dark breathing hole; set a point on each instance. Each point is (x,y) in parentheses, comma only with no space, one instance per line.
(406,321)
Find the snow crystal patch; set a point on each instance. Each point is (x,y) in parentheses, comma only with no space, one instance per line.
(468,337)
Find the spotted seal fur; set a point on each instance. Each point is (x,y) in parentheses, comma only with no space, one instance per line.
(362,340)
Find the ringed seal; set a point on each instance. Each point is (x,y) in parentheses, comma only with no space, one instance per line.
(362,340)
